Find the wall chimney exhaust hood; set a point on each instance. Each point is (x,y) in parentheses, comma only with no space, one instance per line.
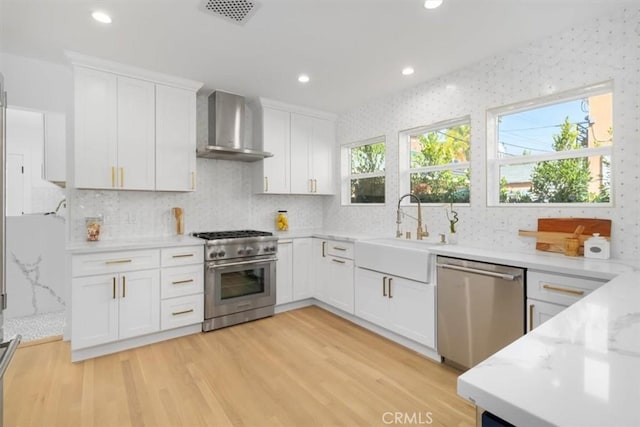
(226,130)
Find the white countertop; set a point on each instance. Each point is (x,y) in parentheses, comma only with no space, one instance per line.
(128,244)
(580,368)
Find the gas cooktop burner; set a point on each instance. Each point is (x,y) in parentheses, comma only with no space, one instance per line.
(235,234)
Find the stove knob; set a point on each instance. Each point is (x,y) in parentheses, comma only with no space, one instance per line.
(221,253)
(249,250)
(272,248)
(214,254)
(240,251)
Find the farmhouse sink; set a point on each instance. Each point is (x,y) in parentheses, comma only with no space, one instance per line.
(403,258)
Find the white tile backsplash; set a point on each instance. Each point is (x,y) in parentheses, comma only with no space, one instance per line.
(606,49)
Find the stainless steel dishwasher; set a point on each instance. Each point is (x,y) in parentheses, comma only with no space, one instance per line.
(481,309)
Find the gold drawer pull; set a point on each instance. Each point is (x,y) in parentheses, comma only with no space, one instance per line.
(531,317)
(124,287)
(338,261)
(114,288)
(339,248)
(193,180)
(183,256)
(119,261)
(565,290)
(113,176)
(182,282)
(121,177)
(178,313)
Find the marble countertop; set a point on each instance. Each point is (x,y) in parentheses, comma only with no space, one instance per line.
(128,244)
(580,368)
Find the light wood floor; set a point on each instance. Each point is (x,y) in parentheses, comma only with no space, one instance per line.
(300,368)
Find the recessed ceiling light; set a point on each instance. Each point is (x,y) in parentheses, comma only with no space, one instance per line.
(303,78)
(407,71)
(432,4)
(101,17)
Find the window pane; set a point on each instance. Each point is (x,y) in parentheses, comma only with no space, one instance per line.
(367,190)
(441,186)
(579,180)
(570,125)
(367,158)
(440,147)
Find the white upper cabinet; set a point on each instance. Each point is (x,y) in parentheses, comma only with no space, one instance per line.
(136,134)
(134,129)
(96,148)
(175,139)
(301,142)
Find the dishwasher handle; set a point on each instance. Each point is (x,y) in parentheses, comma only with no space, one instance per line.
(478,271)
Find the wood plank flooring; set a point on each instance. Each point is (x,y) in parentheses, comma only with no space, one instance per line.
(300,368)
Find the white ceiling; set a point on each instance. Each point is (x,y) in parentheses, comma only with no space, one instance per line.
(353,50)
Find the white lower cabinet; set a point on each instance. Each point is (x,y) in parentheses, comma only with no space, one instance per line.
(110,307)
(302,285)
(339,283)
(403,306)
(284,273)
(539,312)
(182,311)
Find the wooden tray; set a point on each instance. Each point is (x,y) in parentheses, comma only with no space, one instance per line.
(552,232)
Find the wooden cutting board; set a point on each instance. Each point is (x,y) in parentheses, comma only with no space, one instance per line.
(552,232)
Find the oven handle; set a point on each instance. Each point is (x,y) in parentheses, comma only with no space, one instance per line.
(233,264)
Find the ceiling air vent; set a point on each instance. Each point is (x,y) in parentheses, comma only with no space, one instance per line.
(237,11)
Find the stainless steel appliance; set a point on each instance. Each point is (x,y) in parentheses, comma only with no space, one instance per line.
(481,309)
(239,277)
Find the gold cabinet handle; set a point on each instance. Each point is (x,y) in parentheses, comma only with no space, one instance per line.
(119,261)
(339,248)
(266,184)
(384,286)
(324,245)
(390,279)
(178,313)
(114,288)
(121,177)
(182,256)
(193,180)
(565,290)
(315,185)
(338,261)
(182,282)
(124,286)
(531,317)
(113,176)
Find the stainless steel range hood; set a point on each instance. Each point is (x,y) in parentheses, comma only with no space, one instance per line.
(226,130)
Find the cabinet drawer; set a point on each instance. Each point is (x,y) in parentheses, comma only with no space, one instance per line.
(559,288)
(339,249)
(181,311)
(171,257)
(180,281)
(114,262)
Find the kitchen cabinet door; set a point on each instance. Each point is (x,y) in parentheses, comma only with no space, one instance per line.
(302,252)
(274,176)
(301,140)
(94,310)
(95,145)
(319,270)
(321,156)
(371,297)
(139,293)
(340,284)
(175,161)
(284,273)
(539,312)
(412,310)
(136,134)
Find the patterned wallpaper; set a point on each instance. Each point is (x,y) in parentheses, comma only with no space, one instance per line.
(607,49)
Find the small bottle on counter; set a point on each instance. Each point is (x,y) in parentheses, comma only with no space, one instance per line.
(282,221)
(597,247)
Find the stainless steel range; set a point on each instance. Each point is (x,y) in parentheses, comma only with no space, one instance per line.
(239,277)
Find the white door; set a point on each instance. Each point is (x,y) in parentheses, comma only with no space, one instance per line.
(284,272)
(301,136)
(321,156)
(15,188)
(139,293)
(340,284)
(94,311)
(175,139)
(96,151)
(539,312)
(412,310)
(371,297)
(319,271)
(302,287)
(136,134)
(276,140)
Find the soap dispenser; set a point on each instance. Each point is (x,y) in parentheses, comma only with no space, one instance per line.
(597,247)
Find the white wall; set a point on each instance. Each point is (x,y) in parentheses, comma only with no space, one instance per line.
(607,49)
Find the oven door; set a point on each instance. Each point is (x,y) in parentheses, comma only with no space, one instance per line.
(239,286)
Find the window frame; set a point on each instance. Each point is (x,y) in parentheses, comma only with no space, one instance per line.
(404,158)
(347,176)
(494,162)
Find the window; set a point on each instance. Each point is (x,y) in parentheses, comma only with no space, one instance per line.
(363,166)
(553,150)
(434,162)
